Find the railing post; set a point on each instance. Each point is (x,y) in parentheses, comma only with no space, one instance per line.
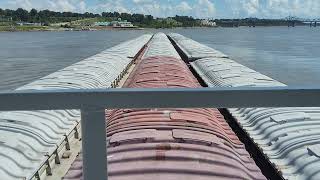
(93,125)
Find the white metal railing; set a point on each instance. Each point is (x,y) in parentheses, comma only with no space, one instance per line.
(93,103)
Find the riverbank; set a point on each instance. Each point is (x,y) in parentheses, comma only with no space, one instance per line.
(22,28)
(100,28)
(52,28)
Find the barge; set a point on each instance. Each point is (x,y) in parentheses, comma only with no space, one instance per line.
(168,143)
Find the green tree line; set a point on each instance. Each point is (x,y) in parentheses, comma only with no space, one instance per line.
(47,16)
(43,16)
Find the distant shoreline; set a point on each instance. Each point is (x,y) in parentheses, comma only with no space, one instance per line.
(54,29)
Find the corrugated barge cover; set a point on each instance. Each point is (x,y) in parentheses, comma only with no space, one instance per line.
(27,138)
(160,45)
(194,50)
(171,144)
(289,137)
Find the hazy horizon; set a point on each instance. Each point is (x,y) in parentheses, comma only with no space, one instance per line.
(271,9)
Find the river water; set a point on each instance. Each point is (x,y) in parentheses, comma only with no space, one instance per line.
(290,55)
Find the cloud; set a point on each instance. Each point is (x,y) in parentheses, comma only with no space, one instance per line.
(54,5)
(252,6)
(142,1)
(204,9)
(153,8)
(110,6)
(165,8)
(157,8)
(62,5)
(25,4)
(301,8)
(196,8)
(274,8)
(183,7)
(82,6)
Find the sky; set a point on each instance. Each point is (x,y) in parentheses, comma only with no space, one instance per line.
(166,8)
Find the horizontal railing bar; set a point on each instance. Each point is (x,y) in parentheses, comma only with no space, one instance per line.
(161,98)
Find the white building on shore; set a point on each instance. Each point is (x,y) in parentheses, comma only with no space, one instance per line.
(206,22)
(123,24)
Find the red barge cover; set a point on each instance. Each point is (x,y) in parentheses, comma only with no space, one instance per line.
(170,144)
